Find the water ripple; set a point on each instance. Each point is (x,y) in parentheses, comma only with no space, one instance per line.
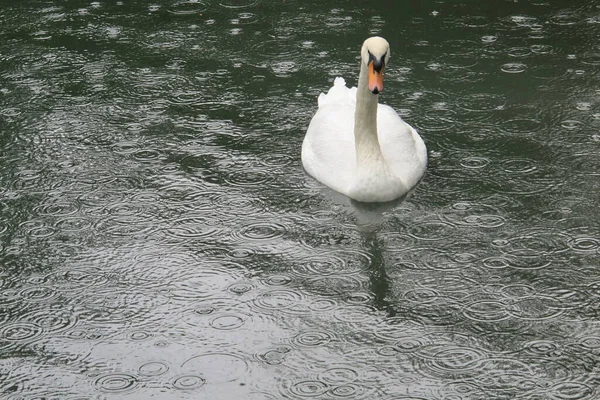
(227,321)
(238,3)
(211,279)
(339,375)
(537,243)
(199,226)
(486,310)
(51,320)
(333,263)
(535,308)
(332,285)
(313,338)
(117,383)
(276,356)
(153,368)
(571,390)
(278,299)
(262,231)
(189,7)
(308,389)
(188,382)
(20,331)
(445,362)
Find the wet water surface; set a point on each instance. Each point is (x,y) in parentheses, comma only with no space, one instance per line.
(159,237)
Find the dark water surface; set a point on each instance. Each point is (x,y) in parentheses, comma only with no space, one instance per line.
(159,238)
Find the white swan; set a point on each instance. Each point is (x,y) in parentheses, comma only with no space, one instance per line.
(358,147)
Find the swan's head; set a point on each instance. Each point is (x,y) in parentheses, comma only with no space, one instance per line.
(375,55)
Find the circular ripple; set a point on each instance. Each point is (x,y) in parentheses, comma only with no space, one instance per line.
(75,279)
(238,3)
(571,391)
(20,331)
(258,231)
(277,159)
(523,126)
(330,285)
(542,48)
(359,298)
(313,339)
(571,124)
(473,214)
(153,368)
(217,367)
(274,357)
(591,59)
(519,166)
(73,224)
(513,68)
(529,263)
(410,344)
(240,287)
(333,263)
(139,335)
(517,291)
(481,102)
(474,162)
(250,178)
(37,229)
(485,311)
(518,52)
(211,308)
(421,296)
(590,342)
(454,361)
(51,320)
(57,207)
(584,244)
(535,308)
(309,389)
(193,227)
(207,279)
(116,383)
(338,375)
(432,230)
(278,299)
(277,280)
(566,18)
(227,322)
(330,304)
(37,293)
(191,7)
(541,347)
(188,382)
(347,391)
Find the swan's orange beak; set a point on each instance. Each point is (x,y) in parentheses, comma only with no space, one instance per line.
(375,78)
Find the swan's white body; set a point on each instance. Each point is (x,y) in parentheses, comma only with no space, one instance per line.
(360,148)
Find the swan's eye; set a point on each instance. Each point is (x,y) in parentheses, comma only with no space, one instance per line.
(371,57)
(377,64)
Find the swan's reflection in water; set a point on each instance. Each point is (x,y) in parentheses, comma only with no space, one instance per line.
(369,219)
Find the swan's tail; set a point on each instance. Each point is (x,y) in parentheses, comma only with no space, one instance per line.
(338,94)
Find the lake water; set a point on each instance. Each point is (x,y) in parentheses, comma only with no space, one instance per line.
(160,239)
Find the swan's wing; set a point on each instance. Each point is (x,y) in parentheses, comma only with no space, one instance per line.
(401,145)
(338,94)
(328,152)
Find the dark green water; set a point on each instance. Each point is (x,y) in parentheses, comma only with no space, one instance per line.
(159,238)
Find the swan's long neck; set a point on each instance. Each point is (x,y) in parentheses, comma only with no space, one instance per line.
(365,122)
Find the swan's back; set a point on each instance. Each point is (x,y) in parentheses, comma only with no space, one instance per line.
(329,152)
